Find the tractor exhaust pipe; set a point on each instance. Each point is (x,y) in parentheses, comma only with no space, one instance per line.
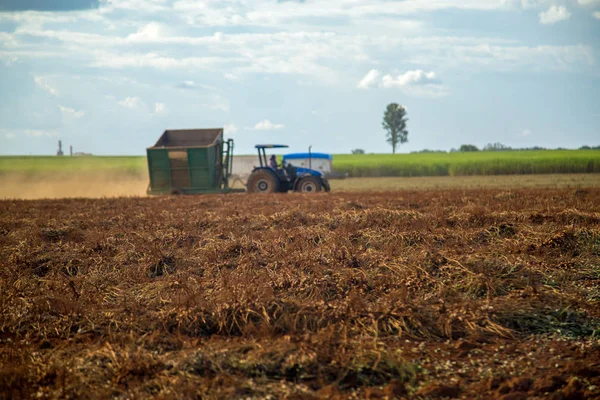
(310,156)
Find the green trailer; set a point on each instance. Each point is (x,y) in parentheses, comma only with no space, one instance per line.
(190,161)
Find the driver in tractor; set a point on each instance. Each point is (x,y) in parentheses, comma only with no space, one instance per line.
(273,162)
(287,170)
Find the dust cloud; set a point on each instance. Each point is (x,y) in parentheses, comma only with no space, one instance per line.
(52,186)
(48,186)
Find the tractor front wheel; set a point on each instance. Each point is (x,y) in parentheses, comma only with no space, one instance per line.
(262,181)
(310,184)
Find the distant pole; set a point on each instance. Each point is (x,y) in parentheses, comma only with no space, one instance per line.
(71,150)
(59,152)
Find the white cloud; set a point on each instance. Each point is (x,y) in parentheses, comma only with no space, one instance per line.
(271,13)
(370,79)
(42,82)
(7,40)
(41,18)
(151,32)
(217,103)
(155,60)
(597,14)
(416,77)
(267,125)
(588,2)
(39,133)
(505,57)
(231,77)
(187,85)
(417,82)
(230,128)
(149,6)
(160,109)
(554,14)
(526,132)
(132,102)
(308,53)
(69,113)
(10,60)
(12,133)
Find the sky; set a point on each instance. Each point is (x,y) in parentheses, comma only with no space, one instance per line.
(108,77)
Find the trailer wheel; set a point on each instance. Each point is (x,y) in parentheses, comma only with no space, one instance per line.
(176,192)
(310,184)
(262,181)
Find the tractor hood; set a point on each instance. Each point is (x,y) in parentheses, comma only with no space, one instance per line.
(308,171)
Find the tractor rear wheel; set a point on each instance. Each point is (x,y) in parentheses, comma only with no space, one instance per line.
(310,184)
(262,181)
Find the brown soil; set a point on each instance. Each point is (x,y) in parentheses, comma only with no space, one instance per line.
(429,294)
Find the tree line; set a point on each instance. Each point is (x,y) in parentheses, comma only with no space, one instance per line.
(465,148)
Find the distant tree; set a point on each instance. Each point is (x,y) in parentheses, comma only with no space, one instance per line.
(428,151)
(585,148)
(358,151)
(394,122)
(496,147)
(534,148)
(468,147)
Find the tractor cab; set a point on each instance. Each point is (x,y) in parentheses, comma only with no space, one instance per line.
(270,179)
(262,153)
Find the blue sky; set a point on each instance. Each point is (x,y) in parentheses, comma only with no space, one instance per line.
(109,77)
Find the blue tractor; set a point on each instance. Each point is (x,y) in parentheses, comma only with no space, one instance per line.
(272,178)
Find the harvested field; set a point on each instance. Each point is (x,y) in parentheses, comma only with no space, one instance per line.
(422,294)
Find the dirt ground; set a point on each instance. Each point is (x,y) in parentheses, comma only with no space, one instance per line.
(472,294)
(42,186)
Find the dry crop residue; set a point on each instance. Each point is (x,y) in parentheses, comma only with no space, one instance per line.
(429,294)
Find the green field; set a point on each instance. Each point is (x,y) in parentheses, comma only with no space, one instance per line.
(367,165)
(465,164)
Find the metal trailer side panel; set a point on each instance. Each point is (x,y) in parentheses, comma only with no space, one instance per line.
(159,169)
(201,174)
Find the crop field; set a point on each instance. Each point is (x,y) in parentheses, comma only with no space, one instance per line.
(416,294)
(475,163)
